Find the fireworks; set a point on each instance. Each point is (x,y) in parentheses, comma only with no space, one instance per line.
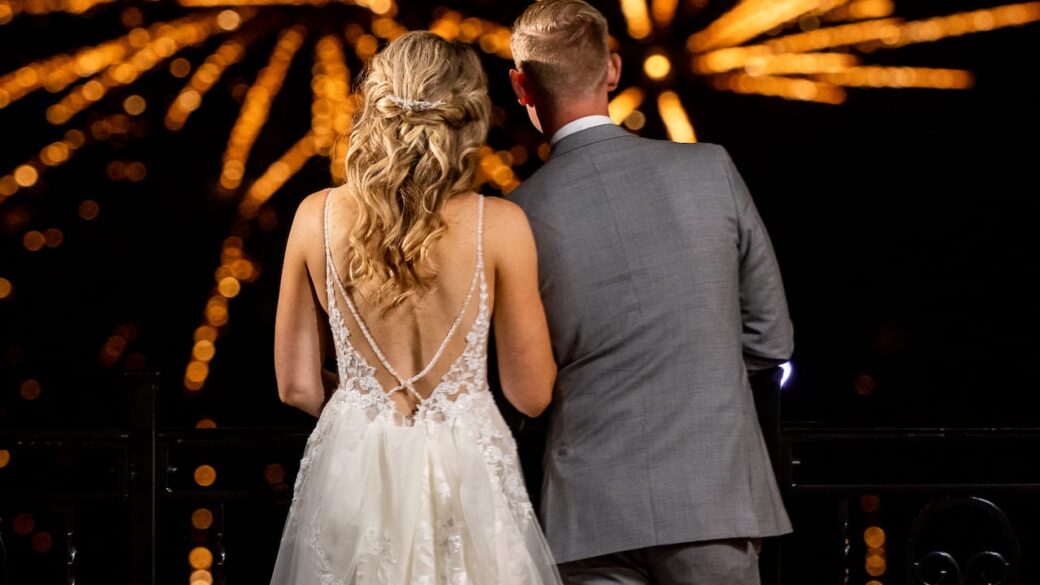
(807,50)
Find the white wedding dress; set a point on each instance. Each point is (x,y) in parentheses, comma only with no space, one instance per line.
(435,497)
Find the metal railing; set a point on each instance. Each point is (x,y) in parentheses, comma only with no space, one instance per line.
(933,506)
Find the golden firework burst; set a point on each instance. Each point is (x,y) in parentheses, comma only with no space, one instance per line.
(807,50)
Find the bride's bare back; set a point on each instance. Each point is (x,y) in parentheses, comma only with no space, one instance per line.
(410,335)
(427,331)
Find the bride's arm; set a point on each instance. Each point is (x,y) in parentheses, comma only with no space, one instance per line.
(526,366)
(301,331)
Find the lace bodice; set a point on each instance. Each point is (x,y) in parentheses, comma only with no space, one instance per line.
(467,374)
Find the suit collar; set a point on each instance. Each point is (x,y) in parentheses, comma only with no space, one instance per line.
(587,137)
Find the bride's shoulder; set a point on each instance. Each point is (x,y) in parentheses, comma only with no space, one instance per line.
(308,220)
(313,203)
(502,215)
(506,229)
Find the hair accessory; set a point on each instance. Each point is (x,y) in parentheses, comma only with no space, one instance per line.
(414,105)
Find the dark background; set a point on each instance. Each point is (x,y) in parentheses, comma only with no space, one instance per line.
(904,222)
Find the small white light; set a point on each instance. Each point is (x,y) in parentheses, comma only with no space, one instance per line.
(787,368)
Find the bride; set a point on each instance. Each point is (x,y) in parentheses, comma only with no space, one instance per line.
(411,475)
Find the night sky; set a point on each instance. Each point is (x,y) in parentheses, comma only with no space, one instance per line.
(904,222)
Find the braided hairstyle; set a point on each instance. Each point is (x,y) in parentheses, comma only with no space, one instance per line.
(414,144)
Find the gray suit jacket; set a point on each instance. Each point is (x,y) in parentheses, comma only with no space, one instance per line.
(662,291)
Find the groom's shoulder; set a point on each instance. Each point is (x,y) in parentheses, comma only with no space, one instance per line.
(683,151)
(637,151)
(523,196)
(696,161)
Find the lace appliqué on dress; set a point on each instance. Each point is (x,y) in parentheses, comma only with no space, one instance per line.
(344,548)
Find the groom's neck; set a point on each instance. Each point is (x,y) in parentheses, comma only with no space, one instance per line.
(563,114)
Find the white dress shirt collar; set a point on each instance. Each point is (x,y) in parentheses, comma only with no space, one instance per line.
(578,125)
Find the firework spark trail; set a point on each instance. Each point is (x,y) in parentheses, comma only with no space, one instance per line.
(207,75)
(257,107)
(333,108)
(167,42)
(816,65)
(9,9)
(60,71)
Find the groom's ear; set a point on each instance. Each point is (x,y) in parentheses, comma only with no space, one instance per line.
(613,72)
(517,79)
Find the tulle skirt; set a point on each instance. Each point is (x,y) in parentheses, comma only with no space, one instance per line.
(442,501)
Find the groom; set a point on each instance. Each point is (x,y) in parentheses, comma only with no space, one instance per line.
(662,293)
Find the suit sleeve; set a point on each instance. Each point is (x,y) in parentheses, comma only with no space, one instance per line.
(768,337)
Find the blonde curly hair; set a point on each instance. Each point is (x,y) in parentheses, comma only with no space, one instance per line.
(414,144)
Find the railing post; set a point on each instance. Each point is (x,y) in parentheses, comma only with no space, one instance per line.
(144,389)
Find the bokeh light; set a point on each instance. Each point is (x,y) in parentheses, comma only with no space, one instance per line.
(202,518)
(42,542)
(29,389)
(274,474)
(23,523)
(206,423)
(864,385)
(205,476)
(200,557)
(874,537)
(870,504)
(657,66)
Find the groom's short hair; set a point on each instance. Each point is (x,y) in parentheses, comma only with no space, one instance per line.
(562,46)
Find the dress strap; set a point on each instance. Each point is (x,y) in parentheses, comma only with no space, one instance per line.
(330,292)
(480,237)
